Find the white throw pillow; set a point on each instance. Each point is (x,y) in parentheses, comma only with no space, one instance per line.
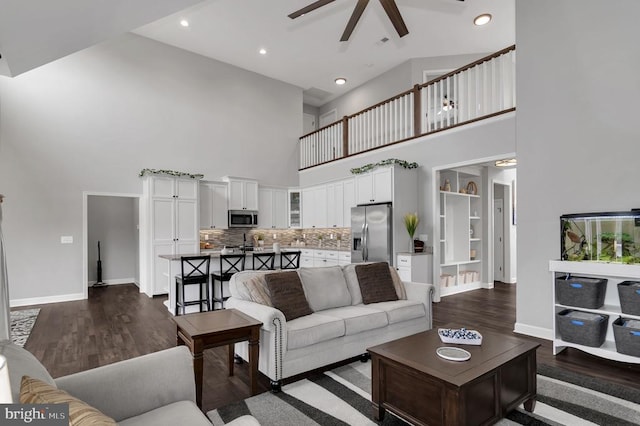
(325,288)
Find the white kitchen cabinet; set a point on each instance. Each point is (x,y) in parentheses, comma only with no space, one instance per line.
(335,204)
(172,218)
(243,193)
(375,186)
(314,207)
(272,208)
(294,206)
(349,200)
(323,258)
(344,258)
(614,273)
(214,205)
(306,258)
(414,267)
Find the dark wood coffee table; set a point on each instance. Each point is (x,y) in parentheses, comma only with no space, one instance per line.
(218,328)
(412,381)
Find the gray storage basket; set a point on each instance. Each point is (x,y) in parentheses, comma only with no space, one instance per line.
(582,328)
(629,293)
(581,292)
(626,332)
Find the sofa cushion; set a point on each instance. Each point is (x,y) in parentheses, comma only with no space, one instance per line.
(258,290)
(351,278)
(325,288)
(312,329)
(354,288)
(359,318)
(375,283)
(287,294)
(177,413)
(401,310)
(34,391)
(21,362)
(397,284)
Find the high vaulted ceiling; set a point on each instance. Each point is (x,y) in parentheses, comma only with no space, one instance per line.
(305,52)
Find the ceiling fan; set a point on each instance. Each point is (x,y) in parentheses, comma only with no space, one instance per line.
(389,6)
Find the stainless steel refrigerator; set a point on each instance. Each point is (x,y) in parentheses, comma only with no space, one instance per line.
(371,233)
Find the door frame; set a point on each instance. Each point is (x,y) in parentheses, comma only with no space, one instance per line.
(85,233)
(498,202)
(510,255)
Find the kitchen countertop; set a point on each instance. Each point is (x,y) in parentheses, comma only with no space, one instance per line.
(216,253)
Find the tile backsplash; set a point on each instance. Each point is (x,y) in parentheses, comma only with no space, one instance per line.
(286,237)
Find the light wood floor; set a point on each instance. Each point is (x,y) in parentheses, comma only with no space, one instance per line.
(117,322)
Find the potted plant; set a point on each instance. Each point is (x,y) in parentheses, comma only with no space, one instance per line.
(411,221)
(320,237)
(339,239)
(260,238)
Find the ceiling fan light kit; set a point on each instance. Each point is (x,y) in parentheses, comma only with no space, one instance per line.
(389,6)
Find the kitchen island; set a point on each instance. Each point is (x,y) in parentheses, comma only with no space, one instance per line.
(173,269)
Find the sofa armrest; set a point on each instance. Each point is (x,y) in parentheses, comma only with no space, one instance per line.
(423,293)
(128,388)
(271,318)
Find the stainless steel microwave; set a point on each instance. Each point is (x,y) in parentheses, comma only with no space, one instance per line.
(243,218)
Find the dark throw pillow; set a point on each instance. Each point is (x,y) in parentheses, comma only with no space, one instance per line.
(287,294)
(376,284)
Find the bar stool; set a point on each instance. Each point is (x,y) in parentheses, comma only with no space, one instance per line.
(290,259)
(264,261)
(229,265)
(193,270)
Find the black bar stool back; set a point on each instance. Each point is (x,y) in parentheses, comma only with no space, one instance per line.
(229,265)
(290,259)
(193,270)
(263,261)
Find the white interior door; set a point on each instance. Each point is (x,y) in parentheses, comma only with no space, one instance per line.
(308,123)
(328,118)
(498,240)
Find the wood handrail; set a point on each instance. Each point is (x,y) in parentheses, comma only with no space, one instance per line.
(413,89)
(469,66)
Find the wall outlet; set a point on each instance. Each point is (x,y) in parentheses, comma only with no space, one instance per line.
(66,239)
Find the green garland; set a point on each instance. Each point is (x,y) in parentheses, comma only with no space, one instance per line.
(170,173)
(368,167)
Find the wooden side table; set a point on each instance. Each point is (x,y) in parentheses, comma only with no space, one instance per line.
(219,328)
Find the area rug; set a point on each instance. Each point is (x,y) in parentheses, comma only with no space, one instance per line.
(21,325)
(342,397)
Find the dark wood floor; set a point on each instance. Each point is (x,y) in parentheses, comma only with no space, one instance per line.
(117,322)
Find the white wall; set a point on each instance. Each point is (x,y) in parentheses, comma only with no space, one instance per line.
(91,121)
(112,221)
(577,129)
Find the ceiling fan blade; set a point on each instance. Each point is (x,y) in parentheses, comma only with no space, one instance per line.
(394,15)
(313,6)
(355,17)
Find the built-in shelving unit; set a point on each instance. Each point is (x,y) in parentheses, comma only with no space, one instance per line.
(460,232)
(614,273)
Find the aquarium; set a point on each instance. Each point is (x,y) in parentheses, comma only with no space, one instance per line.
(601,237)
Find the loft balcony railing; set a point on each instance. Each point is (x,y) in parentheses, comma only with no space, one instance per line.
(477,91)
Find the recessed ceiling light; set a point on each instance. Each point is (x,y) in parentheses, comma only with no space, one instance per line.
(340,81)
(184,23)
(508,162)
(262,51)
(483,19)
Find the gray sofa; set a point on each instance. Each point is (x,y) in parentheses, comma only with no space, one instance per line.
(340,327)
(155,389)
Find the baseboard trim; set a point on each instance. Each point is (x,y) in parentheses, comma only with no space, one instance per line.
(530,330)
(48,299)
(117,281)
